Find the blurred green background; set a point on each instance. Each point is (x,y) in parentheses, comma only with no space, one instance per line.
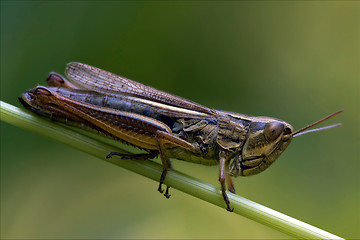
(297,61)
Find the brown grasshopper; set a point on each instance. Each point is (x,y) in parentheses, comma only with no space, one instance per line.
(163,124)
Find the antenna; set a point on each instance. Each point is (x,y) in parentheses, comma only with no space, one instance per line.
(301,131)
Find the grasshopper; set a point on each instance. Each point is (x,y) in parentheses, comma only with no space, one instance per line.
(163,124)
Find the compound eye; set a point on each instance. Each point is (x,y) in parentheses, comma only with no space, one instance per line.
(273,130)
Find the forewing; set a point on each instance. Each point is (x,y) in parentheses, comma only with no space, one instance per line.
(111,84)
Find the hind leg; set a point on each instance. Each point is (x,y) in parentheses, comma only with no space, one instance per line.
(141,156)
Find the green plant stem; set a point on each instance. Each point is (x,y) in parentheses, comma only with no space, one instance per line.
(175,179)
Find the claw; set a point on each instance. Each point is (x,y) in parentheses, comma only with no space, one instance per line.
(160,189)
(166,194)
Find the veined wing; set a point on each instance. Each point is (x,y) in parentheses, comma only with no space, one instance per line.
(111,84)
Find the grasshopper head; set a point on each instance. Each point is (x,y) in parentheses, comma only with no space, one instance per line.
(267,138)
